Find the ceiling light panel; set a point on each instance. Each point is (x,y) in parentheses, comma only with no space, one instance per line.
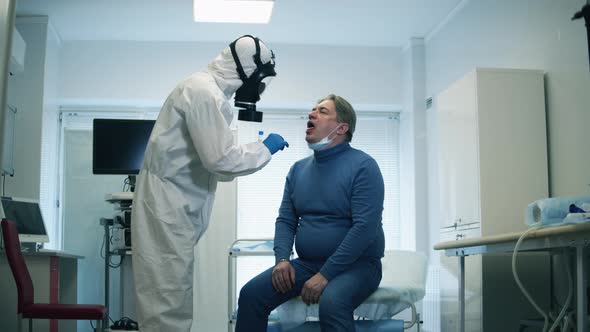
(233,11)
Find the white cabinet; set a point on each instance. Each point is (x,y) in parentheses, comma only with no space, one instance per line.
(492,164)
(458,163)
(492,148)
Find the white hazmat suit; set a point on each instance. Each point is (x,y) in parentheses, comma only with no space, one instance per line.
(191,148)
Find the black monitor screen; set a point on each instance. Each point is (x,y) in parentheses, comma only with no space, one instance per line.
(27,215)
(118,145)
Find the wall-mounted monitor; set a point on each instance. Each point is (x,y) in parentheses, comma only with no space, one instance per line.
(26,213)
(118,145)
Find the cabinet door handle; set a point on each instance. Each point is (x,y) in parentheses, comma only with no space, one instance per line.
(459,236)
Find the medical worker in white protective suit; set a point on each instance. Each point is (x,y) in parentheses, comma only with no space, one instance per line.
(191,148)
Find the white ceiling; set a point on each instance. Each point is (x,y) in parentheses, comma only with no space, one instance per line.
(327,22)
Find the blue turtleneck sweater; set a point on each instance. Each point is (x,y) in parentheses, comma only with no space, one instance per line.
(332,207)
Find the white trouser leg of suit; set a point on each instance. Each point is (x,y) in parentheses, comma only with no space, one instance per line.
(163,257)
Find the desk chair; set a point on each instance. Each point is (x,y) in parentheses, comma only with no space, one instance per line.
(26,306)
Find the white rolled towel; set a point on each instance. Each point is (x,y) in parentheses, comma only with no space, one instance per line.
(550,211)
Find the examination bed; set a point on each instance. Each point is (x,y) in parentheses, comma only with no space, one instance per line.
(402,285)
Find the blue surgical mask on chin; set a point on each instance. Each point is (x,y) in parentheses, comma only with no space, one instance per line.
(323,143)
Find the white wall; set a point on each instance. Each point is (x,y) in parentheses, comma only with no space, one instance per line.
(143,73)
(532,34)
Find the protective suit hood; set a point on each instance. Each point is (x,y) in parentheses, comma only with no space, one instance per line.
(223,67)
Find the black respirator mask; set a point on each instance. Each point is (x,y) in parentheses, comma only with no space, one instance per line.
(249,93)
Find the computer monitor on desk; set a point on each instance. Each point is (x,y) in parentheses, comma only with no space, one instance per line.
(26,213)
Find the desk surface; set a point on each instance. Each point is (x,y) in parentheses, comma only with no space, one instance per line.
(49,252)
(574,230)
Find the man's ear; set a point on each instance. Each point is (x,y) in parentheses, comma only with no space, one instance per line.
(343,129)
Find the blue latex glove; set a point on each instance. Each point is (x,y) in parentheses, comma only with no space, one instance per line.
(274,143)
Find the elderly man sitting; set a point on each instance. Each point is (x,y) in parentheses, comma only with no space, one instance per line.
(332,209)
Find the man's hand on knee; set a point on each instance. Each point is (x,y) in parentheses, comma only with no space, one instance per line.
(283,276)
(313,288)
